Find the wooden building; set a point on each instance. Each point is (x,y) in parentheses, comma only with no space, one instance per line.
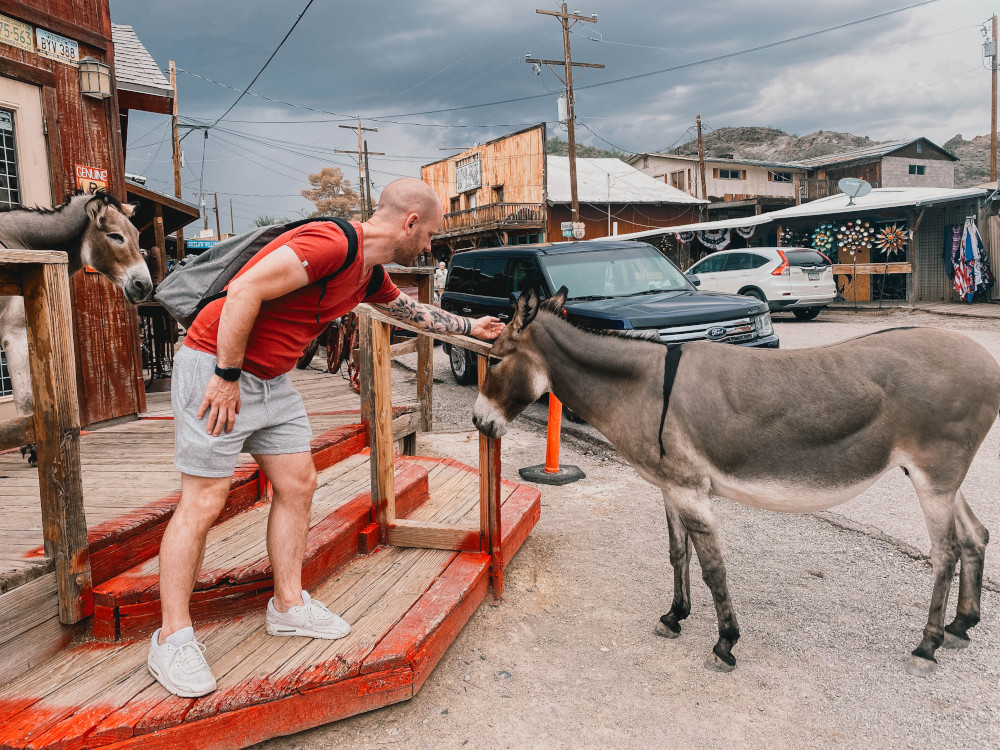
(509,192)
(60,140)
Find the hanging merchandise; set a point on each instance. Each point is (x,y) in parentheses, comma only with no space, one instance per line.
(952,246)
(891,240)
(746,232)
(684,237)
(973,274)
(822,238)
(717,239)
(791,238)
(854,236)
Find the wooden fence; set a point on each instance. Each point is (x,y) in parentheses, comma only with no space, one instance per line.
(41,277)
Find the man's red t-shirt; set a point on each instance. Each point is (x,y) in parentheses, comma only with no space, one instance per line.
(286,325)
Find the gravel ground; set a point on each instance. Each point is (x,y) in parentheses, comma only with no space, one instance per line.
(829,606)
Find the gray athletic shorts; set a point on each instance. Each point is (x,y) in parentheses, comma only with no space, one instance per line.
(272,418)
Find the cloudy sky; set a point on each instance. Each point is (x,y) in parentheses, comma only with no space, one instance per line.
(417,70)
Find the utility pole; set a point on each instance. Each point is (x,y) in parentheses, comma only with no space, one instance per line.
(362,169)
(218,230)
(179,234)
(232,222)
(368,184)
(701,160)
(993,109)
(565,18)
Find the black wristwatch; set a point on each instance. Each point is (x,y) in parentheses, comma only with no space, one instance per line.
(231,374)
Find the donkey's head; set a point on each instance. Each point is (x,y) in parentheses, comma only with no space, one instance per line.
(521,375)
(110,245)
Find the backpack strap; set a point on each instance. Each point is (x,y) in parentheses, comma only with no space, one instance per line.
(352,253)
(375,282)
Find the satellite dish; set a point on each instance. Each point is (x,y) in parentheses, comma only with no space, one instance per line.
(854,187)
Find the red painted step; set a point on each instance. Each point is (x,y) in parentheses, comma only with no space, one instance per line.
(236,574)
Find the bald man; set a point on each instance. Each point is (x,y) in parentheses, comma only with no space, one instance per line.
(230,392)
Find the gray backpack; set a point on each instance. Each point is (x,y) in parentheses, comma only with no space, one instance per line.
(203,278)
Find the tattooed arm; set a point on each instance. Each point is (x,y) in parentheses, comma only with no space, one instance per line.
(430,318)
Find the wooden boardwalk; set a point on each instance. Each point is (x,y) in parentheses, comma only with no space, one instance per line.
(128,466)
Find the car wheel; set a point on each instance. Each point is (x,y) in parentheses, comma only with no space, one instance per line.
(462,366)
(756,294)
(807,313)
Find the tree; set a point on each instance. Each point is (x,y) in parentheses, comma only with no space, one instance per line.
(266,220)
(332,194)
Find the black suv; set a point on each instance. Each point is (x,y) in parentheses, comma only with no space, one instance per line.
(613,284)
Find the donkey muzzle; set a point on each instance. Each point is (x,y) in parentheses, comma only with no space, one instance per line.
(137,284)
(487,419)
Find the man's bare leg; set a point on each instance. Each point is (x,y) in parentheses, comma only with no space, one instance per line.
(183,547)
(293,478)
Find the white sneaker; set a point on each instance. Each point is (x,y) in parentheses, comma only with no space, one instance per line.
(311,619)
(179,664)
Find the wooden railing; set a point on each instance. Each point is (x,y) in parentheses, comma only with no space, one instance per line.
(376,407)
(41,278)
(495,215)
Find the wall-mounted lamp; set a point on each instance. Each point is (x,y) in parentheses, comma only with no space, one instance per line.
(95,78)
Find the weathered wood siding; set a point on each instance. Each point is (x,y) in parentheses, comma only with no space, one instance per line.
(630,218)
(83,130)
(516,162)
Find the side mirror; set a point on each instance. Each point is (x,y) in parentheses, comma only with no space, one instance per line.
(693,278)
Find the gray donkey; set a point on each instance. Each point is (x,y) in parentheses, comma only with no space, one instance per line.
(93,230)
(758,426)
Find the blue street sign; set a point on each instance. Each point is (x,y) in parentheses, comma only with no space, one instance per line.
(200,244)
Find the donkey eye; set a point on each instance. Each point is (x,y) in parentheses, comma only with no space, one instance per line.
(117,238)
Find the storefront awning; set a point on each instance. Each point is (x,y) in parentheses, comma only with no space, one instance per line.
(704,226)
(176,213)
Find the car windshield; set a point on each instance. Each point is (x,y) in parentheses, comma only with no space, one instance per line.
(613,273)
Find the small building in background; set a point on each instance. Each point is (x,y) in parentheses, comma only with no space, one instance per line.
(509,192)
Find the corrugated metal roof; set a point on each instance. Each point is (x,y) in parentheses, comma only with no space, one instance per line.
(880,149)
(609,180)
(878,198)
(135,68)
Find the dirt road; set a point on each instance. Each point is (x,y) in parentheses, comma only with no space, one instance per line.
(829,606)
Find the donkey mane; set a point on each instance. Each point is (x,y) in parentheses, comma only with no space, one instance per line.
(649,336)
(107,197)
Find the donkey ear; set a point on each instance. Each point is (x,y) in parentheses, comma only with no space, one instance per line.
(527,308)
(556,301)
(96,208)
(129,209)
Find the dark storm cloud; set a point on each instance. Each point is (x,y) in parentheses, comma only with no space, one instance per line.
(391,59)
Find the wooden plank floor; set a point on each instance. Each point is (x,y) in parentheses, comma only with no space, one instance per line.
(129,465)
(405,607)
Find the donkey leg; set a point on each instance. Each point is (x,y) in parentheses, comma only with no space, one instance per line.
(14,339)
(972,539)
(939,515)
(680,560)
(698,515)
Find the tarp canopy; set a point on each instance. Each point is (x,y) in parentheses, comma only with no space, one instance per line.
(704,226)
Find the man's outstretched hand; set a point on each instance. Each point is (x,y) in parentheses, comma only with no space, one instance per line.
(487,328)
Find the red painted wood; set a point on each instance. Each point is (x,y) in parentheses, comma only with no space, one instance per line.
(368,539)
(311,708)
(457,583)
(521,511)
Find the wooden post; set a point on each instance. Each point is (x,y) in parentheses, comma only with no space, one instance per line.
(57,434)
(175,137)
(376,389)
(425,360)
(489,498)
(161,243)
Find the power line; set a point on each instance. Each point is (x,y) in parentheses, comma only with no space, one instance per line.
(283,40)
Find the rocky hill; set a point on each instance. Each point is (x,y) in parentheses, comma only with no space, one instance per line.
(771,144)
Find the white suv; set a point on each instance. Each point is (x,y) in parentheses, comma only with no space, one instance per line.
(787,278)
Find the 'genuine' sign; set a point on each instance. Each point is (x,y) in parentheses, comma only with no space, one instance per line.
(91,179)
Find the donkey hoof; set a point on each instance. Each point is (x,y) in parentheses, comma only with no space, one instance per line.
(956,642)
(715,664)
(667,629)
(917,666)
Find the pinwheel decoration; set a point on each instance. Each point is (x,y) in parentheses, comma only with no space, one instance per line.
(854,236)
(822,238)
(891,240)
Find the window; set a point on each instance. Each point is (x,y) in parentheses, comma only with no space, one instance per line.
(780,176)
(522,272)
(498,193)
(461,275)
(730,174)
(917,169)
(711,264)
(677,179)
(455,204)
(806,258)
(470,200)
(10,188)
(468,175)
(742,261)
(491,277)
